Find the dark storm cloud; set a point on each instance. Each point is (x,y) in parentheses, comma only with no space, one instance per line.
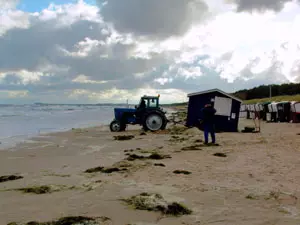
(38,45)
(259,5)
(155,18)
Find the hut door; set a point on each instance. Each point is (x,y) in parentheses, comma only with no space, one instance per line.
(223,106)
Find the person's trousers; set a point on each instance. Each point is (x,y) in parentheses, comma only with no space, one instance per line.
(209,129)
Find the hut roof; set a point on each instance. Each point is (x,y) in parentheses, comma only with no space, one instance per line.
(214,90)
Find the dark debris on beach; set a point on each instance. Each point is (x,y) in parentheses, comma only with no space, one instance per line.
(159,164)
(9,178)
(105,170)
(192,148)
(71,220)
(123,137)
(156,203)
(36,189)
(182,172)
(219,154)
(154,156)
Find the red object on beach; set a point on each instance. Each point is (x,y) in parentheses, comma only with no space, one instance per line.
(295,112)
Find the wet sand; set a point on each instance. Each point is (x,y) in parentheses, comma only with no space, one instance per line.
(257,183)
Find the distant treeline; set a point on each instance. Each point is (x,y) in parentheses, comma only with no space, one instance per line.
(263,91)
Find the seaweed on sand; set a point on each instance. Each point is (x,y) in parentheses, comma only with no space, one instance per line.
(148,151)
(57,175)
(116,167)
(95,169)
(175,138)
(177,130)
(192,148)
(129,150)
(123,137)
(155,156)
(177,209)
(156,203)
(182,172)
(105,170)
(142,150)
(9,178)
(159,156)
(251,197)
(113,169)
(43,189)
(132,157)
(210,145)
(37,189)
(197,147)
(75,220)
(159,164)
(218,154)
(71,220)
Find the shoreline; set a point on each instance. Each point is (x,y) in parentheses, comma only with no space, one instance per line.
(23,139)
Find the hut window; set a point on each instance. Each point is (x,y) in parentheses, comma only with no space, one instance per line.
(223,106)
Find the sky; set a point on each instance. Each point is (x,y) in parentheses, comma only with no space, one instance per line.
(97,51)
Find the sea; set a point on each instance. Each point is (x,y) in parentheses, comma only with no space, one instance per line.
(19,123)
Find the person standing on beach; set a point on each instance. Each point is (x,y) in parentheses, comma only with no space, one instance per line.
(208,122)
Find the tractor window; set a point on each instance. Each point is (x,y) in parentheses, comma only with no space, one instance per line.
(153,103)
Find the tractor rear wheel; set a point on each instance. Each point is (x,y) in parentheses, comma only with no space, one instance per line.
(116,126)
(154,121)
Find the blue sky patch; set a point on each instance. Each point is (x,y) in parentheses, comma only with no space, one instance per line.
(39,5)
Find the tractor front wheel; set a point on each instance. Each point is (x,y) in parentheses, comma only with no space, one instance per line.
(116,126)
(154,121)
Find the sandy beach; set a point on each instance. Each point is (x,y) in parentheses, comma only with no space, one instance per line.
(255,181)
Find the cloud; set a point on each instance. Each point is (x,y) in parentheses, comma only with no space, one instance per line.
(83,53)
(295,71)
(260,5)
(67,41)
(153,19)
(38,44)
(11,18)
(113,62)
(8,4)
(122,95)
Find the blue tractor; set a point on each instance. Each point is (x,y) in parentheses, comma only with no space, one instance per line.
(147,114)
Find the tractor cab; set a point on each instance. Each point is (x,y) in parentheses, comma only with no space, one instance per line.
(148,102)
